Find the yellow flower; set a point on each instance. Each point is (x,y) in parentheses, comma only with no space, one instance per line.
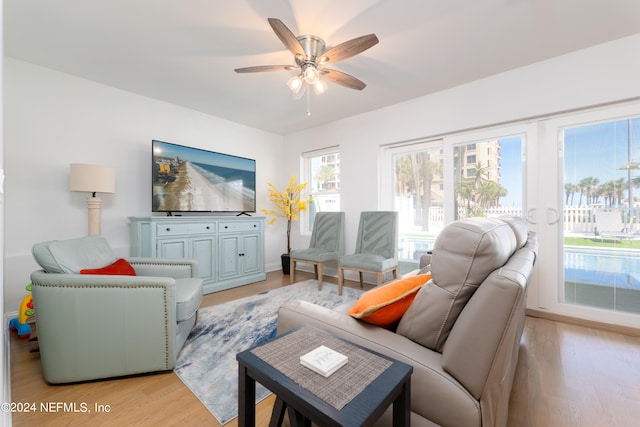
(288,204)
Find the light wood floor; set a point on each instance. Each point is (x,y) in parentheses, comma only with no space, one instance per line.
(567,375)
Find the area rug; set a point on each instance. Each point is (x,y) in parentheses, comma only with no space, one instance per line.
(207,363)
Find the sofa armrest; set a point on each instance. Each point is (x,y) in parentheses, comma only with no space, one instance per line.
(411,273)
(425,260)
(92,326)
(435,394)
(176,268)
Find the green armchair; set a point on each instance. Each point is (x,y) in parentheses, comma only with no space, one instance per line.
(376,247)
(95,326)
(326,246)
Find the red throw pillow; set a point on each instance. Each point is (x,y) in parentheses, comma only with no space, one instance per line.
(385,305)
(119,268)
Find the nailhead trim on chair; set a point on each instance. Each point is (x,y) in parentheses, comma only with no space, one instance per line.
(166,329)
(164,298)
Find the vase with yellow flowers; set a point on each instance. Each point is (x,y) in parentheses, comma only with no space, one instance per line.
(288,205)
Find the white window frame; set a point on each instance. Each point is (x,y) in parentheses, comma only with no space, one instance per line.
(387,174)
(529,131)
(543,196)
(306,174)
(551,278)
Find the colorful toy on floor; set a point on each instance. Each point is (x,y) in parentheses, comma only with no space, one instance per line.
(26,313)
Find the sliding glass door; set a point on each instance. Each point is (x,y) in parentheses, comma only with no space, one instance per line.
(587,216)
(601,234)
(574,177)
(416,191)
(432,183)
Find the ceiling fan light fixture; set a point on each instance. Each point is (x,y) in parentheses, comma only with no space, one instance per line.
(320,87)
(311,75)
(295,83)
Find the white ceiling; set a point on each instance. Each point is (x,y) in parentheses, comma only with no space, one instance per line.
(184,51)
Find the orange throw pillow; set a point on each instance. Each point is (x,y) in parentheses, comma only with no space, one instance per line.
(119,268)
(385,305)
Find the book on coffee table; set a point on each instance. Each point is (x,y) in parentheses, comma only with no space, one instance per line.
(324,360)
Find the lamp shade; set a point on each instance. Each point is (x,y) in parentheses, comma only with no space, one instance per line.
(92,178)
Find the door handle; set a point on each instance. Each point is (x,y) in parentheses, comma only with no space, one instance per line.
(531,216)
(552,216)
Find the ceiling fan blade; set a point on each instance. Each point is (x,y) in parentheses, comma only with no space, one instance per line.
(343,79)
(286,36)
(261,68)
(348,49)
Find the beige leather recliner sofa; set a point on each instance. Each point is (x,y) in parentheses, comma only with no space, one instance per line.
(462,332)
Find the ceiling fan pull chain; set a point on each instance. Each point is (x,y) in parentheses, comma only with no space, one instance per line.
(308,103)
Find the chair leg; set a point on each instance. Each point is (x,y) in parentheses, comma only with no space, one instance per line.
(340,279)
(361,279)
(319,274)
(292,271)
(380,277)
(315,270)
(395,273)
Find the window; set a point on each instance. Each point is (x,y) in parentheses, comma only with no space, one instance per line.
(601,246)
(432,183)
(587,159)
(489,184)
(321,170)
(416,190)
(558,173)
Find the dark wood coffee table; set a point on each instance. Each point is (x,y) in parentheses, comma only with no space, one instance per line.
(392,386)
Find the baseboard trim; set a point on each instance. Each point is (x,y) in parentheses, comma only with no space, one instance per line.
(609,327)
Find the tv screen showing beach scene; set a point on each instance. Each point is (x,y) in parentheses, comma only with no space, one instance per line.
(187,179)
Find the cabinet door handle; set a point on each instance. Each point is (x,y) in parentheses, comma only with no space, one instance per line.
(168,229)
(208,228)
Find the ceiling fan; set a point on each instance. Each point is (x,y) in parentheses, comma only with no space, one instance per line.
(310,58)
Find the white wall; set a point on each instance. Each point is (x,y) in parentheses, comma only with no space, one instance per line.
(601,74)
(54,119)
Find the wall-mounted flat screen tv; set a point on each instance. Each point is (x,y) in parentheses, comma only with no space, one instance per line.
(187,179)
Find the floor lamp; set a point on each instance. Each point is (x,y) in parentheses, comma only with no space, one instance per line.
(93,179)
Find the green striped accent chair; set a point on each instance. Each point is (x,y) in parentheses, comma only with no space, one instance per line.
(326,246)
(376,247)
